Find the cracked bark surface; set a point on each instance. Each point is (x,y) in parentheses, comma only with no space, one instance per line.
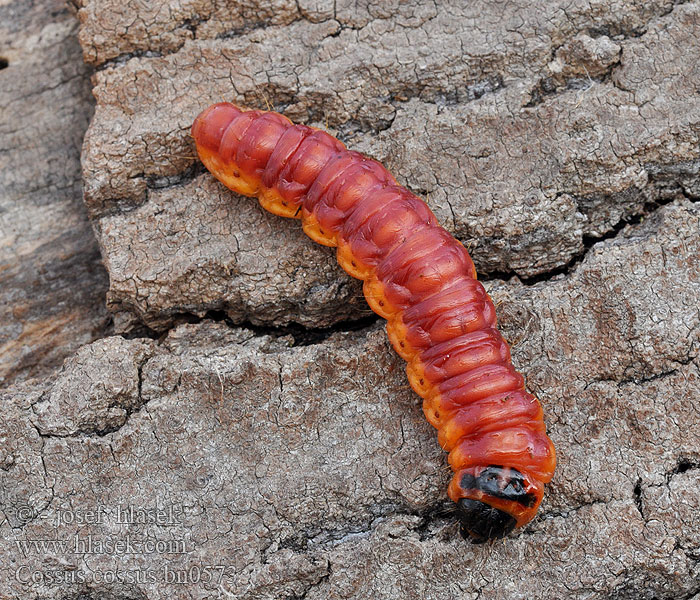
(307,470)
(52,283)
(311,470)
(530,133)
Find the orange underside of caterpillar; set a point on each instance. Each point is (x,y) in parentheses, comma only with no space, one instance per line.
(422,281)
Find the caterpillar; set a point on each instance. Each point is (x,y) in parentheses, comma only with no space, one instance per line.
(419,278)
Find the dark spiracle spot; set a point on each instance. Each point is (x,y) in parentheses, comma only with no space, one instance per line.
(481,522)
(4,63)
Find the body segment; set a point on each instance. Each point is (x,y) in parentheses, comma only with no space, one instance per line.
(419,278)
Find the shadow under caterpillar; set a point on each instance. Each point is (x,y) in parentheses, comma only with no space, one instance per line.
(422,281)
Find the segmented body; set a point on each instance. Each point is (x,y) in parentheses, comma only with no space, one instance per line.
(422,281)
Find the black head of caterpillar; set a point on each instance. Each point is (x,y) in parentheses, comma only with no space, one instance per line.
(480,521)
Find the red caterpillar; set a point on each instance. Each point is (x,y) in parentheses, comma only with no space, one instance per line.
(419,278)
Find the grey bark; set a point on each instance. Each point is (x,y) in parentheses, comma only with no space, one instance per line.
(52,283)
(530,134)
(560,143)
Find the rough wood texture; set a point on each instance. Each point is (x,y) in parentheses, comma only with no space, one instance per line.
(52,284)
(561,143)
(530,133)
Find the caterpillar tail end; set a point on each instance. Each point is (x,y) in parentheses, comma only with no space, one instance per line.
(493,500)
(209,126)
